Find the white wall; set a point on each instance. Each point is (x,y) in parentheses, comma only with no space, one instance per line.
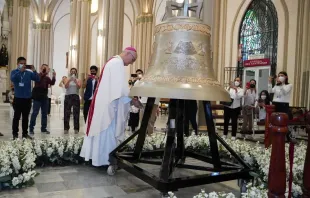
(128,27)
(93,39)
(231,18)
(61,31)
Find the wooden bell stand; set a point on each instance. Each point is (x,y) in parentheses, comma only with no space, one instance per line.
(276,132)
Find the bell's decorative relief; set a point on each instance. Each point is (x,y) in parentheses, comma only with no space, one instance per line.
(202,28)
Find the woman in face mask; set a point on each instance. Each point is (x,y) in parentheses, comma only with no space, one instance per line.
(282,94)
(232,110)
(250,97)
(263,100)
(72,99)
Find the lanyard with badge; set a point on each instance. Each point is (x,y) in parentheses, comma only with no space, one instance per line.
(21,83)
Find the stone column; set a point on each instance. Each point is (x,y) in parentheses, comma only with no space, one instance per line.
(80,37)
(113,26)
(143,41)
(19,29)
(42,48)
(301,94)
(218,69)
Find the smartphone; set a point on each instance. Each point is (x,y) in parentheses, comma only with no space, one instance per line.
(28,66)
(134,75)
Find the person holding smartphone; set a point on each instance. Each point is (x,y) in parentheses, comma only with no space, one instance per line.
(21,78)
(90,87)
(232,110)
(282,92)
(250,97)
(40,99)
(72,99)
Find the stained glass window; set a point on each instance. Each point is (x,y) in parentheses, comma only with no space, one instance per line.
(259,32)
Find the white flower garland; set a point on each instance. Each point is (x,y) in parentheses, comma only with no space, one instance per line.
(19,158)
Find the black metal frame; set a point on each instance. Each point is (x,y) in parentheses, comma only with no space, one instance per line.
(174,154)
(266,14)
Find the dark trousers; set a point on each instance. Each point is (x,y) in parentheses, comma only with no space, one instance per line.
(21,106)
(284,108)
(72,101)
(86,109)
(37,105)
(231,114)
(190,110)
(49,106)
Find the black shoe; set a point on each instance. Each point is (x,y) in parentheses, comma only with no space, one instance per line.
(27,137)
(15,137)
(45,131)
(1,134)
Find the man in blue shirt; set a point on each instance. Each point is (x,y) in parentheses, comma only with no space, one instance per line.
(90,87)
(21,78)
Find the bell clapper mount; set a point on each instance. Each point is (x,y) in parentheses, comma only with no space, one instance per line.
(184,8)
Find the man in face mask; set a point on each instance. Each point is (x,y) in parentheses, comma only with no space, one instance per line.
(90,87)
(21,78)
(40,99)
(250,96)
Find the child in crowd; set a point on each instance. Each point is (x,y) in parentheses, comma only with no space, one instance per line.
(11,99)
(135,106)
(264,99)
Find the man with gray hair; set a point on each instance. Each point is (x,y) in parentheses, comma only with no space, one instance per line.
(108,113)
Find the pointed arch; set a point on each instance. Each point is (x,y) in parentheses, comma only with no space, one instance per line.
(283,28)
(258,32)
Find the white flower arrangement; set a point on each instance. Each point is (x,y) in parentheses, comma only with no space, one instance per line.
(19,158)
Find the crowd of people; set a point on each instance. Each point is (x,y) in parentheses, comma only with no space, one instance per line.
(249,103)
(23,97)
(107,103)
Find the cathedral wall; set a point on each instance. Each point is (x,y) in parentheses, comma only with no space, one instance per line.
(60,41)
(129,23)
(93,40)
(232,13)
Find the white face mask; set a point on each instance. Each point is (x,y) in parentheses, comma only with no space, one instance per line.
(140,75)
(73,75)
(282,79)
(20,66)
(237,83)
(263,97)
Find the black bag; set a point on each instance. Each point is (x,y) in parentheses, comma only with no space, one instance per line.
(227,103)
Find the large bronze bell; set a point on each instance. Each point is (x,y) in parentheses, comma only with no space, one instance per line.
(181,70)
(180,65)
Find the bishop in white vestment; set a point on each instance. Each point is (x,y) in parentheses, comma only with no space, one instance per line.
(108,113)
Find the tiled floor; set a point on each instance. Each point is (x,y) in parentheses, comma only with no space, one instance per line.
(89,182)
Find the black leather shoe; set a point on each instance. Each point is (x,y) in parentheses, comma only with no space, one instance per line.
(27,137)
